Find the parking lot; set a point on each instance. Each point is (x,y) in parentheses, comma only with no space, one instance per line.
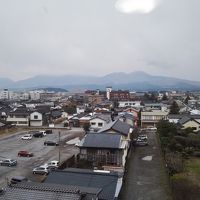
(11,145)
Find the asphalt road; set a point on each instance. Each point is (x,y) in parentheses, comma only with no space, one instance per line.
(11,145)
(146,177)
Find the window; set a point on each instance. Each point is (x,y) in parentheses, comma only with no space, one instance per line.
(93,123)
(22,122)
(100,124)
(35,117)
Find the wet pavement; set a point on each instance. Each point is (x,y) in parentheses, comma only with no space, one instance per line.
(146,177)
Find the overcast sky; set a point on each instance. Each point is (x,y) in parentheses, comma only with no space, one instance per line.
(97,37)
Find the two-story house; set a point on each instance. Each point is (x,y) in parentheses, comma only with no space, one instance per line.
(99,121)
(36,119)
(104,149)
(19,117)
(151,118)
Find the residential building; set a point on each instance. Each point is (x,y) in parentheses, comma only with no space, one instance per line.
(125,104)
(105,184)
(151,118)
(35,95)
(190,121)
(33,191)
(119,95)
(99,121)
(118,127)
(104,150)
(36,119)
(19,117)
(4,94)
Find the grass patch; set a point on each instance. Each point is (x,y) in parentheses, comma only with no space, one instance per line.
(186,185)
(9,131)
(193,166)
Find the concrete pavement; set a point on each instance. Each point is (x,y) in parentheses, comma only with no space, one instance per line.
(146,177)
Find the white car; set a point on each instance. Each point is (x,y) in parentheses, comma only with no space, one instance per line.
(43,132)
(52,163)
(142,137)
(27,137)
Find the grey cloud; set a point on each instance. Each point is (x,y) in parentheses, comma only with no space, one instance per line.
(92,37)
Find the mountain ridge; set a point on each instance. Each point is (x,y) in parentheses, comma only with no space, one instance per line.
(119,80)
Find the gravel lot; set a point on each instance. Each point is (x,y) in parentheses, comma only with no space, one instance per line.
(11,145)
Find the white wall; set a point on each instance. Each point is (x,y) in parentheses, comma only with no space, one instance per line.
(96,121)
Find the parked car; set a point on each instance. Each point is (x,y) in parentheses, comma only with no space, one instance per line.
(49,131)
(18,179)
(140,142)
(152,128)
(142,137)
(52,163)
(43,132)
(26,137)
(51,143)
(8,162)
(25,154)
(38,134)
(50,167)
(42,170)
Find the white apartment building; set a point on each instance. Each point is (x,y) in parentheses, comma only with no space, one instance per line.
(124,104)
(4,94)
(35,95)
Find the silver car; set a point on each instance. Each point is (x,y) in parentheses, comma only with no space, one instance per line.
(8,162)
(42,170)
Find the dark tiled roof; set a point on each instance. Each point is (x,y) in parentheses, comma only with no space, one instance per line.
(41,191)
(56,113)
(85,178)
(173,116)
(106,118)
(97,140)
(121,127)
(188,118)
(118,126)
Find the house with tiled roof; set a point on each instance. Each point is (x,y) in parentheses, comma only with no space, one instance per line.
(104,150)
(99,121)
(118,127)
(190,121)
(19,116)
(47,191)
(107,185)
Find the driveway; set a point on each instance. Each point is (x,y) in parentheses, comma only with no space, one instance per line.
(146,177)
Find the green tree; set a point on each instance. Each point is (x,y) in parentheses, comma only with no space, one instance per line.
(174,108)
(164,98)
(86,127)
(166,129)
(187,99)
(71,108)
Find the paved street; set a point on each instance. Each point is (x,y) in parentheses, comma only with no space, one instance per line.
(146,177)
(12,144)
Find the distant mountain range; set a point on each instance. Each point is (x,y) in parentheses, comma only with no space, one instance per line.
(133,81)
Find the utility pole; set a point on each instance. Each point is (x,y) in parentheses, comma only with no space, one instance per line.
(59,146)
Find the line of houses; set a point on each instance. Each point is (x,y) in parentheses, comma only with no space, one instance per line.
(104,148)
